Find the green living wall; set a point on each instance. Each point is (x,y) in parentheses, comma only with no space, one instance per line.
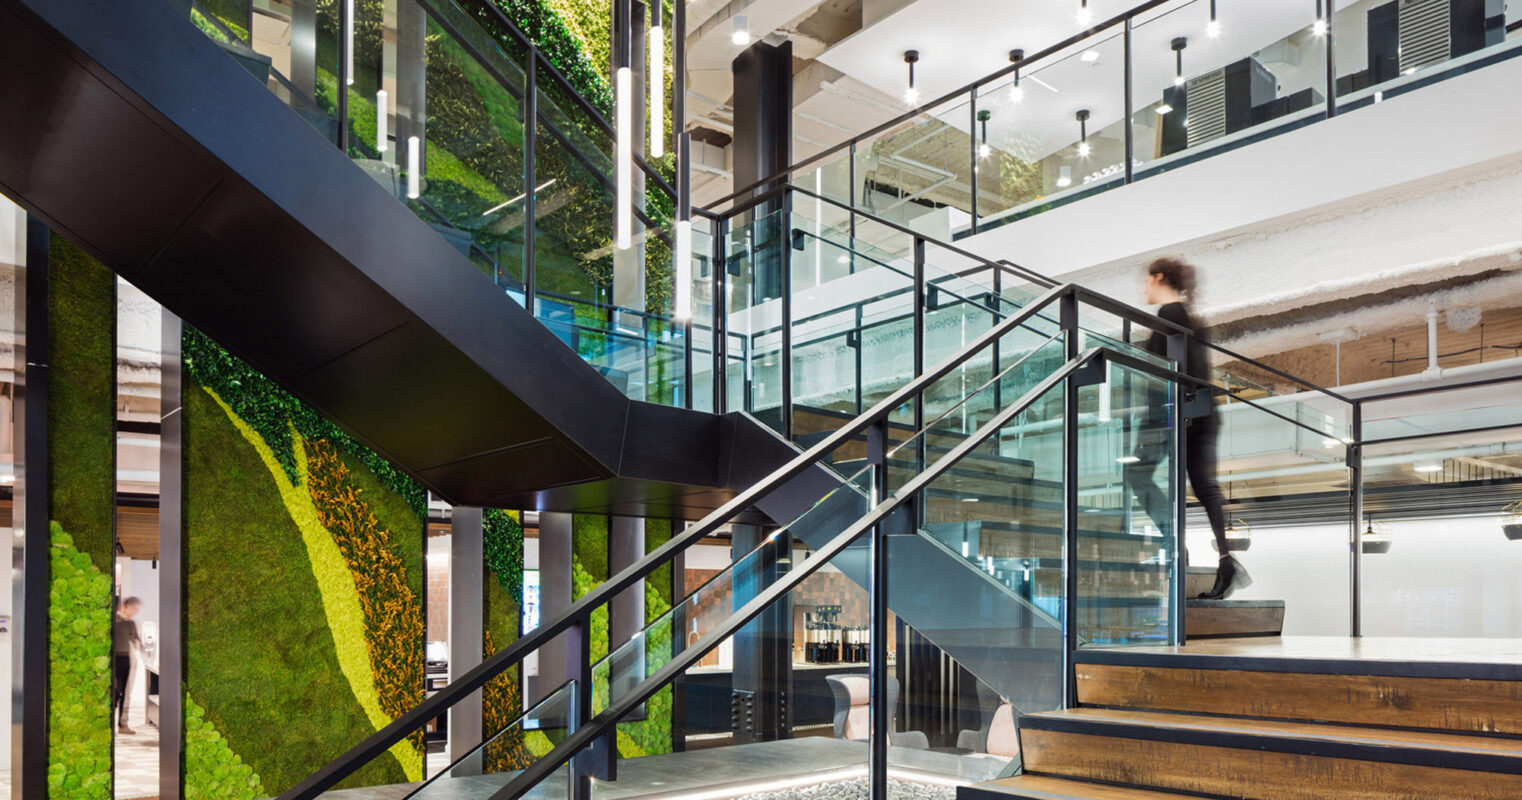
(81,481)
(590,567)
(304,618)
(502,698)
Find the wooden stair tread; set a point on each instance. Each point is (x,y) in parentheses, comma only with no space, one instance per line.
(1119,722)
(1195,602)
(1303,691)
(1046,787)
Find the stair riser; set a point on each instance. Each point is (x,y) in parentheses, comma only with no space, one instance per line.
(1218,622)
(1253,773)
(1449,704)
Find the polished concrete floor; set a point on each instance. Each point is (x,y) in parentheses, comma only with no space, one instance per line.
(745,768)
(1345,648)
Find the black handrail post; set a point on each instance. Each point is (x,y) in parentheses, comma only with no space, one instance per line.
(1130,128)
(530,175)
(1068,320)
(344,25)
(1355,556)
(578,644)
(973,151)
(998,305)
(877,592)
(783,231)
(851,198)
(719,284)
(1331,59)
(1178,353)
(919,346)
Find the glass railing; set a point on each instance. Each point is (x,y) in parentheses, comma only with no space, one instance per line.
(434,104)
(1061,123)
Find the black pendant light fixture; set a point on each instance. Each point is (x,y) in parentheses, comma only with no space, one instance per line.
(1178,45)
(1016,94)
(1083,133)
(984,115)
(1213,27)
(911,95)
(1084,15)
(1320,25)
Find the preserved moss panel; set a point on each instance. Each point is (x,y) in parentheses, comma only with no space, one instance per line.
(652,735)
(82,399)
(79,645)
(272,611)
(502,697)
(82,484)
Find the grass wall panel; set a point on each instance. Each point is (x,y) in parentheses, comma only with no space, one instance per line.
(81,481)
(304,585)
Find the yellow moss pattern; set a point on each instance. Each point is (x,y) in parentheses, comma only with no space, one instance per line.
(335,582)
(393,615)
(499,705)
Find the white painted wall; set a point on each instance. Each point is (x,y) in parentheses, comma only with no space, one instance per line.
(1341,200)
(1442,578)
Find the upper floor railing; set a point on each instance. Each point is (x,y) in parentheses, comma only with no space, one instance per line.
(1162,85)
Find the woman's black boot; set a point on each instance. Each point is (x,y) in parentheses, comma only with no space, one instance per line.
(1229,577)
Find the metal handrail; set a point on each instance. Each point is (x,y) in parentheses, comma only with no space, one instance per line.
(1099,300)
(457,690)
(924,108)
(600,724)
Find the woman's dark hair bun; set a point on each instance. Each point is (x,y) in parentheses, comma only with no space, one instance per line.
(1175,272)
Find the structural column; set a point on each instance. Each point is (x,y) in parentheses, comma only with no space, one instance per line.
(763,650)
(554,598)
(171,561)
(467,560)
(763,139)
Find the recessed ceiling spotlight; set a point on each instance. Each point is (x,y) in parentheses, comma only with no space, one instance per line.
(1089,56)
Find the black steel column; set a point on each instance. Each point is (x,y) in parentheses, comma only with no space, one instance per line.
(763,144)
(626,614)
(763,649)
(344,23)
(530,174)
(719,235)
(467,572)
(1355,555)
(785,252)
(1068,318)
(877,595)
(171,562)
(919,351)
(30,546)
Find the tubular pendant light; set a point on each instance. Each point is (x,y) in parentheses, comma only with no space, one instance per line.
(1016,94)
(1213,27)
(349,39)
(682,274)
(1178,46)
(1085,16)
(911,95)
(657,81)
(381,112)
(624,158)
(1083,133)
(1319,26)
(741,33)
(414,167)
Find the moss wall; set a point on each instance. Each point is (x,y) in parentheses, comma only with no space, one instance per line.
(502,699)
(303,589)
(82,484)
